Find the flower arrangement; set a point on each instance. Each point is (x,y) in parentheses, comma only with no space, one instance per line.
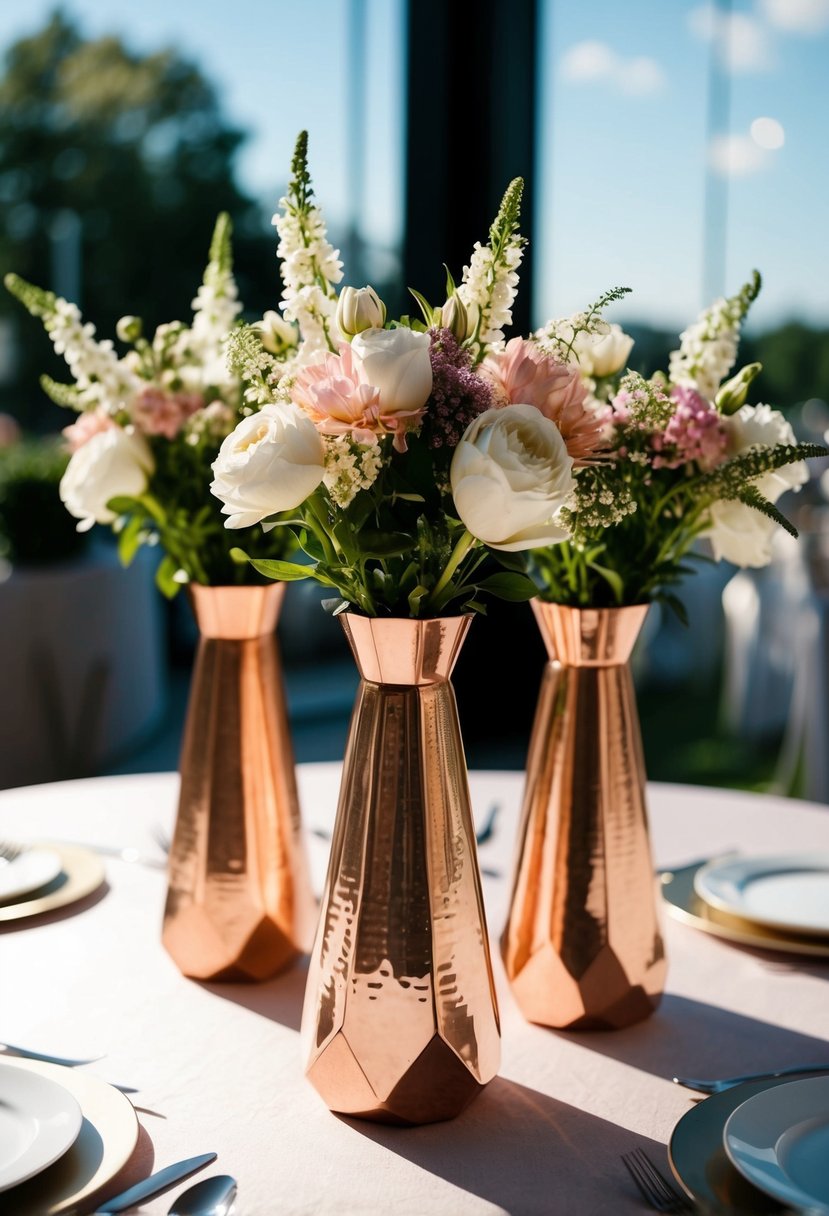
(684,458)
(385,446)
(150,423)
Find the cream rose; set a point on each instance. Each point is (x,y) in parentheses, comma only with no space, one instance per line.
(603,354)
(511,475)
(396,361)
(270,463)
(112,464)
(739,533)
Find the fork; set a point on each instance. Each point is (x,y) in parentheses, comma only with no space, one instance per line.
(653,1186)
(161,838)
(719,1085)
(10,851)
(25,1053)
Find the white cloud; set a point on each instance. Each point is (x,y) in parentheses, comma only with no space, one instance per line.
(597,63)
(742,43)
(736,155)
(797,16)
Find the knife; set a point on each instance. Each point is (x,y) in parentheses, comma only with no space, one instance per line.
(155,1184)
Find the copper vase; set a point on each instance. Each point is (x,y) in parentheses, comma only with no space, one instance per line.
(239,899)
(400,1021)
(582,944)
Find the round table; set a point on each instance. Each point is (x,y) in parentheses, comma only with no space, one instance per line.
(217,1066)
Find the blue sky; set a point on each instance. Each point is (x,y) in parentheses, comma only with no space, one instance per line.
(622,171)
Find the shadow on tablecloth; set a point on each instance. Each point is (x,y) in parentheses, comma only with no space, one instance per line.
(279,999)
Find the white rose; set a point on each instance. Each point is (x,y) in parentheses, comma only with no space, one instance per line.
(396,361)
(510,475)
(271,462)
(112,463)
(739,533)
(603,354)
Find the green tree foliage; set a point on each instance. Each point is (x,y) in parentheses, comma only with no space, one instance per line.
(137,148)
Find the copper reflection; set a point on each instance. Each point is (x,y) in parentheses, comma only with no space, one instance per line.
(582,945)
(400,1021)
(239,899)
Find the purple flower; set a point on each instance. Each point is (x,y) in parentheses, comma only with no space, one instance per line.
(458,394)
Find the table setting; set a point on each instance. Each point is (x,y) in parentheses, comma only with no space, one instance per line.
(387,981)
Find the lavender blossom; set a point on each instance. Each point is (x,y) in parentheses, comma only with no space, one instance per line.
(458,394)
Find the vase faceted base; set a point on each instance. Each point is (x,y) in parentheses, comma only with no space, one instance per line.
(582,946)
(400,1022)
(239,900)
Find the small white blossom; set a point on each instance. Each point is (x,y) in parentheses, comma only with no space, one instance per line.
(310,269)
(488,290)
(104,380)
(708,348)
(350,467)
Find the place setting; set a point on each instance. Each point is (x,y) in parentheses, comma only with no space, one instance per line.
(44,877)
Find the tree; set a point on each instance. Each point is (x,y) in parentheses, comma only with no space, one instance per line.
(133,153)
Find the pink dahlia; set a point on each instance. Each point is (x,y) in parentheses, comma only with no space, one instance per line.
(155,412)
(522,374)
(89,424)
(339,400)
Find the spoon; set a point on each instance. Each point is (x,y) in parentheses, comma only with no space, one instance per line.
(210,1197)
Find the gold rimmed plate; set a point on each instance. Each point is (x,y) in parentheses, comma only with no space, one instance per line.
(700,1163)
(685,905)
(108,1136)
(81,873)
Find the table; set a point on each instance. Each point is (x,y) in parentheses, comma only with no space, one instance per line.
(218,1065)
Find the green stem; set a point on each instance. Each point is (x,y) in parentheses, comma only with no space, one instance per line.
(458,554)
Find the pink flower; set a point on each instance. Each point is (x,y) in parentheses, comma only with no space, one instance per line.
(339,400)
(9,431)
(89,424)
(158,413)
(522,374)
(695,432)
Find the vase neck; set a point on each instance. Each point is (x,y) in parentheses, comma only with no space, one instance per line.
(236,613)
(589,637)
(400,651)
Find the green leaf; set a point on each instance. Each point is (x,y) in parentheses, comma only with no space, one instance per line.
(283,572)
(129,539)
(121,504)
(753,498)
(506,585)
(517,562)
(424,306)
(613,578)
(385,544)
(165,577)
(416,597)
(450,282)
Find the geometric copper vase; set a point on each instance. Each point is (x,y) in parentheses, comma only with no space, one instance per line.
(400,1021)
(582,945)
(239,900)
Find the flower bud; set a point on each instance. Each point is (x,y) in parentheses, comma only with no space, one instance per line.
(129,329)
(359,308)
(454,316)
(733,393)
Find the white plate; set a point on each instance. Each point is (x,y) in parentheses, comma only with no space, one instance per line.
(779,1140)
(39,1122)
(108,1136)
(785,892)
(32,869)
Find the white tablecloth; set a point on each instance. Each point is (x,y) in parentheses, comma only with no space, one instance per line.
(218,1065)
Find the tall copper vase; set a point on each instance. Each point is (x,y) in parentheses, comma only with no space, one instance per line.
(582,945)
(239,899)
(400,1021)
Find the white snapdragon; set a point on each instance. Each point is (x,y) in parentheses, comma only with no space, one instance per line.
(708,348)
(103,379)
(488,289)
(215,310)
(310,269)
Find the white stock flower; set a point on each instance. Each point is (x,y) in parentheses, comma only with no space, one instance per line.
(111,464)
(488,289)
(103,378)
(397,362)
(510,476)
(708,348)
(603,354)
(271,462)
(739,533)
(310,268)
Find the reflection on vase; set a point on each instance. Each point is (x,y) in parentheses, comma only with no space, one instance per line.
(400,1021)
(239,900)
(582,945)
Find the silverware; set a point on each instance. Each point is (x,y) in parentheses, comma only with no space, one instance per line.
(10,850)
(487,829)
(652,1184)
(162,838)
(210,1197)
(128,854)
(717,1086)
(65,1062)
(155,1184)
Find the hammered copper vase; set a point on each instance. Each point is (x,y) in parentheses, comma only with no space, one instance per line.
(239,899)
(582,945)
(400,1021)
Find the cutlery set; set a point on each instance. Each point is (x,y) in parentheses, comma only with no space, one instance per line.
(210,1197)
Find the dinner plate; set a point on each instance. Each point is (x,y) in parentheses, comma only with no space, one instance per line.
(108,1135)
(81,873)
(780,1141)
(30,870)
(685,905)
(699,1160)
(787,893)
(39,1121)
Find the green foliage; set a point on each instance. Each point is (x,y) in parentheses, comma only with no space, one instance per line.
(35,527)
